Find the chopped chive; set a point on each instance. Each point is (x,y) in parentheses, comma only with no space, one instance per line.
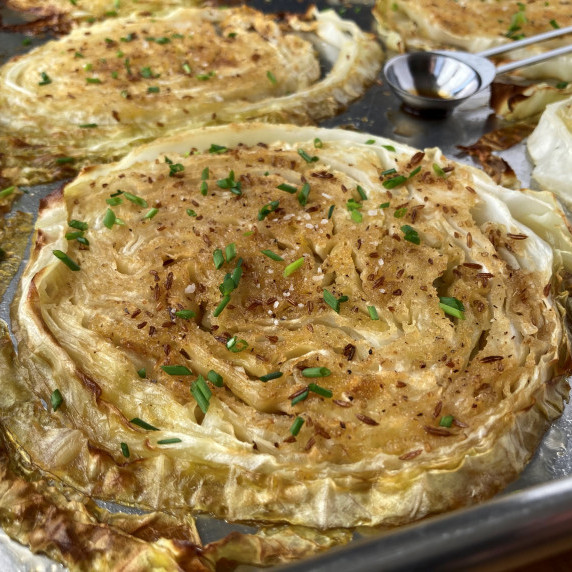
(26,41)
(315,388)
(316,372)
(318,143)
(88,126)
(235,345)
(411,234)
(362,193)
(214,148)
(230,251)
(153,89)
(267,209)
(400,213)
(389,148)
(334,302)
(330,211)
(143,424)
(356,216)
(231,184)
(202,402)
(205,174)
(203,387)
(271,77)
(288,188)
(174,168)
(56,399)
(384,205)
(438,170)
(352,204)
(446,421)
(204,188)
(64,160)
(66,260)
(142,373)
(205,76)
(114,201)
(307,157)
(271,255)
(221,306)
(237,272)
(7,191)
(170,441)
(147,73)
(125,94)
(151,213)
(296,426)
(83,240)
(176,370)
(46,80)
(74,235)
(562,85)
(269,376)
(389,172)
(300,397)
(452,306)
(370,142)
(109,219)
(394,182)
(293,266)
(373,312)
(303,194)
(135,199)
(215,378)
(93,80)
(185,314)
(218,258)
(227,285)
(414,172)
(187,68)
(191,212)
(124,449)
(79,224)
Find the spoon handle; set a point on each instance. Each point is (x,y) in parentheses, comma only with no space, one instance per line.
(534,59)
(526,42)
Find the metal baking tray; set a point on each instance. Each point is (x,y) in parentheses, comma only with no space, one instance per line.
(533,516)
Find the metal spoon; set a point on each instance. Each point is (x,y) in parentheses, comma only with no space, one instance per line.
(440,80)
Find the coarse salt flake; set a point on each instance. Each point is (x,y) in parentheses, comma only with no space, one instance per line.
(190,289)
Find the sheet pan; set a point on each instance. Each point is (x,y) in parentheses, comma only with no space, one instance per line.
(535,513)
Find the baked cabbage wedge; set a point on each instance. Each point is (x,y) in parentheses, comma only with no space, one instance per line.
(282,324)
(476,26)
(104,89)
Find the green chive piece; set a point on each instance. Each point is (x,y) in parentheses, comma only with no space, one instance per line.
(176,370)
(318,143)
(185,314)
(191,212)
(373,312)
(356,216)
(205,76)
(230,251)
(446,421)
(400,213)
(384,205)
(93,80)
(56,399)
(334,302)
(150,214)
(114,201)
(187,68)
(231,184)
(83,240)
(267,209)
(26,41)
(109,219)
(307,157)
(142,373)
(439,171)
(214,148)
(269,376)
(204,188)
(389,148)
(63,160)
(271,255)
(303,194)
(124,449)
(66,260)
(316,372)
(296,426)
(394,182)
(79,224)
(221,306)
(288,188)
(411,234)
(88,126)
(315,388)
(370,142)
(330,211)
(293,266)
(203,387)
(303,396)
(452,306)
(562,85)
(202,402)
(237,273)
(143,424)
(362,193)
(147,73)
(215,378)
(128,38)
(7,191)
(414,172)
(174,168)
(46,80)
(271,77)
(170,441)
(135,199)
(235,345)
(205,174)
(218,258)
(389,172)
(153,89)
(227,286)
(74,235)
